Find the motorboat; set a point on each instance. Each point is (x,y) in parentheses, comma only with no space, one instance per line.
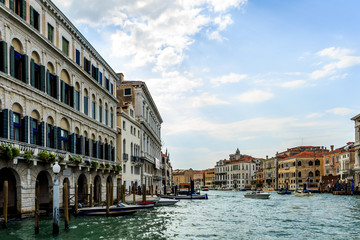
(204,188)
(113,211)
(303,194)
(257,194)
(268,189)
(185,197)
(166,202)
(283,192)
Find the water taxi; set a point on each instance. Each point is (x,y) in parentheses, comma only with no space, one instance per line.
(303,194)
(258,195)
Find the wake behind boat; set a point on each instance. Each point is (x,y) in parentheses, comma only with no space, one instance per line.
(187,197)
(258,195)
(113,211)
(166,202)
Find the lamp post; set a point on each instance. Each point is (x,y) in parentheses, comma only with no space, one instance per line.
(56,169)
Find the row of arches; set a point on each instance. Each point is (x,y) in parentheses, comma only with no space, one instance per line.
(60,85)
(44,180)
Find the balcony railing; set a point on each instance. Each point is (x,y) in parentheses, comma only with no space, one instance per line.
(136,160)
(125,157)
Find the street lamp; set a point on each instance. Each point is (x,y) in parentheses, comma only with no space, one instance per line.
(56,169)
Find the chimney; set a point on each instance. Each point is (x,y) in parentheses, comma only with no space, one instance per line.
(332,147)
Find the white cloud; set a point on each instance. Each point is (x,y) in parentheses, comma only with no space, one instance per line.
(294,84)
(223,5)
(230,78)
(206,99)
(314,115)
(341,111)
(342,59)
(255,96)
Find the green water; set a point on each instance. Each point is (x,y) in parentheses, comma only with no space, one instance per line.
(226,215)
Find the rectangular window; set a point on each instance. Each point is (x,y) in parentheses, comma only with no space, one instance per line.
(112,88)
(19,7)
(100,78)
(127,92)
(93,109)
(87,65)
(77,56)
(34,18)
(50,134)
(17,126)
(64,140)
(53,84)
(50,33)
(124,168)
(106,117)
(34,128)
(94,72)
(65,46)
(100,113)
(37,77)
(124,125)
(111,120)
(77,100)
(107,83)
(86,105)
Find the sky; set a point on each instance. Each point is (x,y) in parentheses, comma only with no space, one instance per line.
(258,75)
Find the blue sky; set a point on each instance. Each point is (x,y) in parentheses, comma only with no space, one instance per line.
(261,76)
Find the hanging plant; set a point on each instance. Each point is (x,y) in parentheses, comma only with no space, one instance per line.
(75,159)
(9,152)
(95,164)
(47,157)
(61,159)
(103,167)
(28,156)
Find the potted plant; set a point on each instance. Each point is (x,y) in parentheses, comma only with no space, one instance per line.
(95,165)
(28,156)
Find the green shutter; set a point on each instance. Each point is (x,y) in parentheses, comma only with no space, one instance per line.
(31,16)
(23,10)
(5,115)
(72,143)
(25,129)
(3,50)
(59,137)
(57,88)
(26,69)
(32,72)
(2,1)
(62,91)
(42,78)
(11,2)
(12,61)
(55,137)
(31,131)
(48,82)
(42,129)
(11,124)
(82,145)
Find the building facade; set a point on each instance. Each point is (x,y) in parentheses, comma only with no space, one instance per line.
(146,113)
(356,120)
(167,171)
(209,176)
(221,170)
(57,103)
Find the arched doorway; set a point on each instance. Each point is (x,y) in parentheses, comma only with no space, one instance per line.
(8,174)
(44,181)
(82,189)
(97,190)
(110,182)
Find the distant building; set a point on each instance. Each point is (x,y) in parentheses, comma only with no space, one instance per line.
(270,172)
(209,175)
(347,162)
(221,170)
(199,179)
(167,170)
(182,176)
(356,120)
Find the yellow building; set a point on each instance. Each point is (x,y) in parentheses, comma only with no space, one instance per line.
(182,176)
(210,177)
(300,169)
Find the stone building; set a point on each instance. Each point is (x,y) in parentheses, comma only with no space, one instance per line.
(182,176)
(146,113)
(221,170)
(167,171)
(209,177)
(356,120)
(331,161)
(199,179)
(347,162)
(300,169)
(56,96)
(270,172)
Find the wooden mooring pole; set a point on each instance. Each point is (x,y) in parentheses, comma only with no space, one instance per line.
(37,207)
(144,192)
(5,205)
(66,205)
(123,193)
(91,196)
(108,198)
(133,187)
(118,191)
(76,199)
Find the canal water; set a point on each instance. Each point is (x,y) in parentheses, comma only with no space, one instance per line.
(225,215)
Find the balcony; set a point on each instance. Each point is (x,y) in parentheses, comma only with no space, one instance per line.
(136,160)
(286,168)
(125,157)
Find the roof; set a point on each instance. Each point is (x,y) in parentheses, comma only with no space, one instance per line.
(306,154)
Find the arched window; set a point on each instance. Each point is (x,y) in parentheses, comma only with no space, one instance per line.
(299,163)
(317,173)
(52,82)
(311,174)
(311,163)
(299,174)
(64,137)
(37,72)
(67,91)
(86,102)
(93,107)
(18,125)
(18,61)
(317,162)
(50,136)
(77,97)
(111,118)
(100,110)
(106,114)
(36,128)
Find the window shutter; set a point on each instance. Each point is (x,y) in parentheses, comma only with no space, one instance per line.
(31,131)
(26,69)
(109,152)
(59,138)
(103,151)
(72,96)
(48,82)
(31,16)
(32,72)
(42,78)
(62,91)
(98,149)
(11,2)
(97,74)
(11,124)
(23,14)
(5,115)
(26,129)
(90,147)
(113,154)
(55,137)
(72,143)
(57,88)
(12,62)
(81,145)
(3,50)
(42,129)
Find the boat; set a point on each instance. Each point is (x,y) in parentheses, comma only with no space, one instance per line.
(166,202)
(186,197)
(258,195)
(204,188)
(113,211)
(303,194)
(283,192)
(268,189)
